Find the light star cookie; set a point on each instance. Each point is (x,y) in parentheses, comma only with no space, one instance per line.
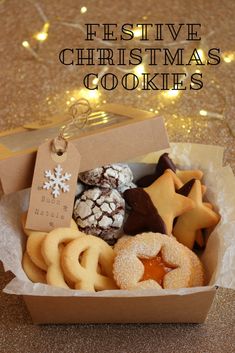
(165,163)
(168,203)
(201,216)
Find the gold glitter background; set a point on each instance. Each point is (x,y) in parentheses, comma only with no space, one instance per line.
(35,85)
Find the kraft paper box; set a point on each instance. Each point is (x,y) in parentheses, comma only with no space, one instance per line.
(113,133)
(48,304)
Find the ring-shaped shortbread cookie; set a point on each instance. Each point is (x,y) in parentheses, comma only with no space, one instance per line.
(80,260)
(51,253)
(33,246)
(34,273)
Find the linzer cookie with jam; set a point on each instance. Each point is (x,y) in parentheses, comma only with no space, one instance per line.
(153,260)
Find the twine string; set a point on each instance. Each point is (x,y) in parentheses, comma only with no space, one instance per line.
(79,112)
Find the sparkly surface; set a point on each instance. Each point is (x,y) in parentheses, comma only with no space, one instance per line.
(35,88)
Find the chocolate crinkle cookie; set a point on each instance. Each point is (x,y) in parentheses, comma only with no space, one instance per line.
(112,176)
(123,188)
(100,212)
(80,188)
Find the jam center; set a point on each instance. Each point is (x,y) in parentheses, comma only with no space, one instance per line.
(155,268)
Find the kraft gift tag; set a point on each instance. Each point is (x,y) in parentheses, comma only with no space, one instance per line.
(53,187)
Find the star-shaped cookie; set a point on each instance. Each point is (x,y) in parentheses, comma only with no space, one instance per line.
(168,203)
(143,216)
(201,216)
(187,175)
(165,163)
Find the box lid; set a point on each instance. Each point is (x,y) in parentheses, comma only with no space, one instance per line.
(114,133)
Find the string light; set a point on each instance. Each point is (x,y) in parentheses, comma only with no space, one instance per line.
(27,46)
(203,112)
(201,54)
(137,33)
(83,9)
(228,57)
(43,34)
(212,115)
(138,70)
(95,81)
(94,95)
(171,94)
(91,95)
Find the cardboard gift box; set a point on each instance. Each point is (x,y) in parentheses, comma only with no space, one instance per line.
(138,136)
(114,133)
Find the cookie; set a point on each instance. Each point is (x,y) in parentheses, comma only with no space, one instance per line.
(112,176)
(143,216)
(100,212)
(121,243)
(33,272)
(81,259)
(123,188)
(153,260)
(51,252)
(80,188)
(185,190)
(161,205)
(187,175)
(201,216)
(33,247)
(198,273)
(165,163)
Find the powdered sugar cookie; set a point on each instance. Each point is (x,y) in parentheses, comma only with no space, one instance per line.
(198,275)
(152,260)
(112,176)
(121,243)
(100,212)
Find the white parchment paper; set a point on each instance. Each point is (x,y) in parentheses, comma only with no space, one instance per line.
(218,257)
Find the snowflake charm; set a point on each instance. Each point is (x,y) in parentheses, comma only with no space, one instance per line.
(56,181)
